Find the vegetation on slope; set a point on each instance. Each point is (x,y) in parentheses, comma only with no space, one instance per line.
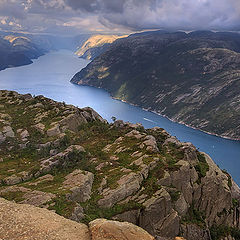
(73,162)
(191,78)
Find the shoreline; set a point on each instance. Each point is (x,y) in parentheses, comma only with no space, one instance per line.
(159,114)
(182,123)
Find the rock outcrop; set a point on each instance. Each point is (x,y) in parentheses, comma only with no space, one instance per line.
(93,170)
(102,229)
(23,221)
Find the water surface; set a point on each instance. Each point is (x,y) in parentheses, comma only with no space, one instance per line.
(50,74)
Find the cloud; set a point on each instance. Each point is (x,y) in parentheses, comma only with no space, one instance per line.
(76,16)
(164,14)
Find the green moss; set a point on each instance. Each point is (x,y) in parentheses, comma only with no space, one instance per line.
(235,202)
(201,167)
(229,178)
(174,195)
(221,231)
(150,183)
(93,211)
(16,196)
(62,206)
(194,216)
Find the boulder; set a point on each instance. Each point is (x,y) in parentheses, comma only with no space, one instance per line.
(128,185)
(118,124)
(150,143)
(78,213)
(21,221)
(8,132)
(102,229)
(28,196)
(158,216)
(13,179)
(80,184)
(38,198)
(72,121)
(172,140)
(135,134)
(129,216)
(24,135)
(40,127)
(54,131)
(94,115)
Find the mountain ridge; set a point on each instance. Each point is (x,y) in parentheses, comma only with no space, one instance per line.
(190,78)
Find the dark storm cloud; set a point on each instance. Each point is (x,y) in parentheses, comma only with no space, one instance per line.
(175,14)
(74,16)
(97,6)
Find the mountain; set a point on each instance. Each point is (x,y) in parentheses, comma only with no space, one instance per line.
(17,51)
(71,161)
(21,44)
(95,45)
(190,78)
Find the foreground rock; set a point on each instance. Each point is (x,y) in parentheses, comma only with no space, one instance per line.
(102,229)
(19,222)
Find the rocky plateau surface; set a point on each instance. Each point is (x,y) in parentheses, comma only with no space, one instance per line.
(72,162)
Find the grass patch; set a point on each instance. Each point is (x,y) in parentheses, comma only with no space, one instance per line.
(201,167)
(63,206)
(221,231)
(194,216)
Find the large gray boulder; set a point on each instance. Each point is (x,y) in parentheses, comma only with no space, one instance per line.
(80,184)
(158,216)
(128,185)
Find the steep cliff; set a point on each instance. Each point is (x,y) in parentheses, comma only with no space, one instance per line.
(191,78)
(73,162)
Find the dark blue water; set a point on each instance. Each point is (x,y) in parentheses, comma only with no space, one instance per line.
(50,75)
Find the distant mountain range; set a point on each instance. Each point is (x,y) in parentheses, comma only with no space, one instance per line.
(191,78)
(18,49)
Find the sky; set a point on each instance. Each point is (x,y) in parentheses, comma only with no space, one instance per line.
(68,17)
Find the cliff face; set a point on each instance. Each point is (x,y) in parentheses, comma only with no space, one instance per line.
(70,160)
(17,51)
(95,45)
(191,78)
